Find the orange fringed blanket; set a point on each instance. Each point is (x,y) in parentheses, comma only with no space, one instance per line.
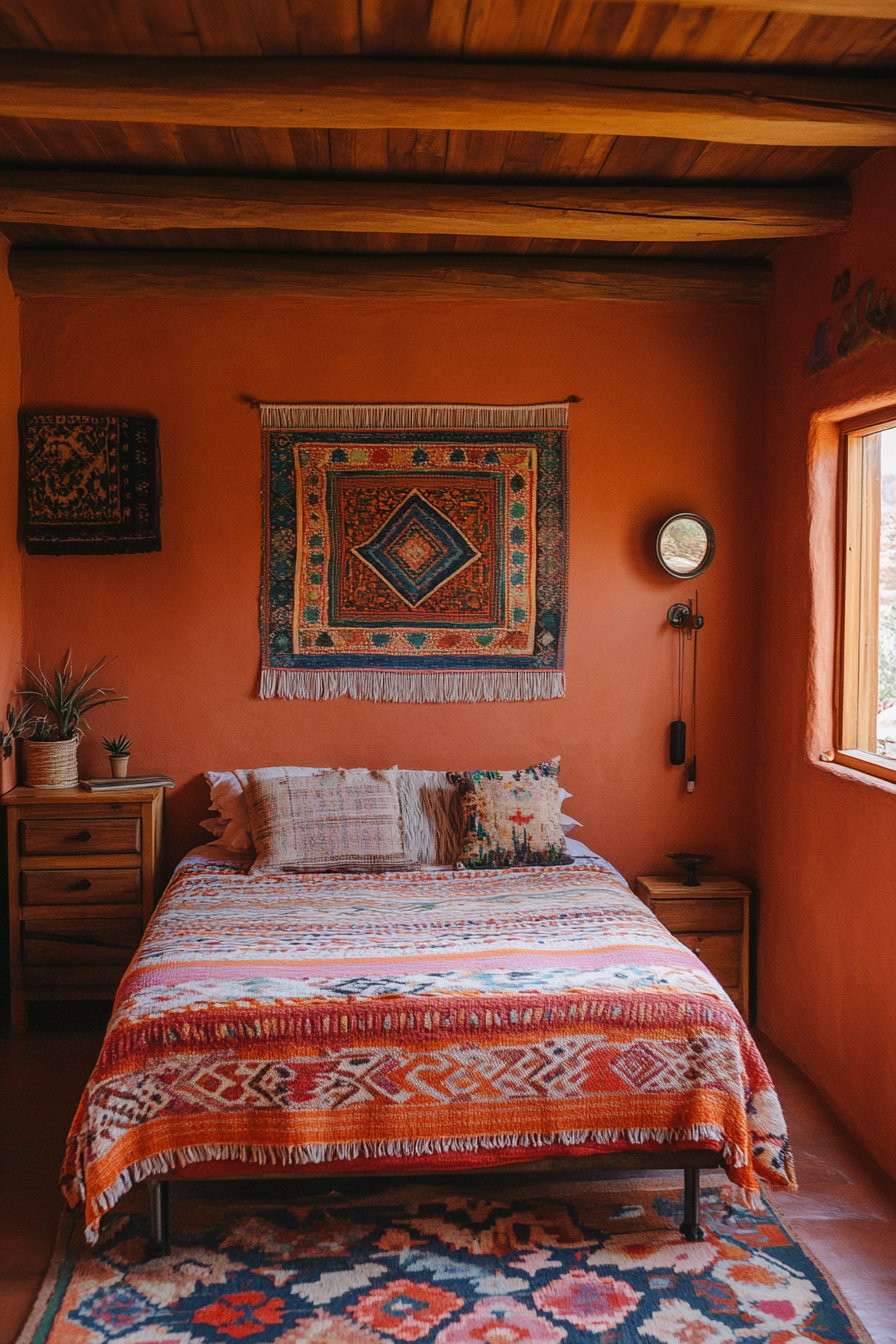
(475,1015)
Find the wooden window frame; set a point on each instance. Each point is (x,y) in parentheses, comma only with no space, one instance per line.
(855,699)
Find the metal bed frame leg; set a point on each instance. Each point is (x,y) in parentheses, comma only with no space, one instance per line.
(159,1243)
(690,1228)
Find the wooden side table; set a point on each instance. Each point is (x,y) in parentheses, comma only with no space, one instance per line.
(84,874)
(713,920)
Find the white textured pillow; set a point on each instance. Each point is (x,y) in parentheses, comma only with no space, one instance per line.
(578,850)
(567,824)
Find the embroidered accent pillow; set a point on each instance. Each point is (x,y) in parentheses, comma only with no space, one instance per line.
(340,821)
(512,817)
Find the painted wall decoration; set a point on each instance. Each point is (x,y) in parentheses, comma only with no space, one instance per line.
(91,484)
(414,553)
(868,319)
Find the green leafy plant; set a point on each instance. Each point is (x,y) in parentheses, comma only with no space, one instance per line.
(61,700)
(18,723)
(117,746)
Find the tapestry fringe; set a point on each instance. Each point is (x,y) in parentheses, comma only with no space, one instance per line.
(290,683)
(326,415)
(305,1154)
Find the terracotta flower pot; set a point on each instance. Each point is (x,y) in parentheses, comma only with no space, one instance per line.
(50,765)
(119,766)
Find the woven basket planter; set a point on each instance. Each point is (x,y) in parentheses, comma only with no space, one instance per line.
(50,765)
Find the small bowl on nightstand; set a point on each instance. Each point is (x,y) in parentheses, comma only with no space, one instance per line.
(690,863)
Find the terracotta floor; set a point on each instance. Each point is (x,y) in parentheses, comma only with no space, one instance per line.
(845,1212)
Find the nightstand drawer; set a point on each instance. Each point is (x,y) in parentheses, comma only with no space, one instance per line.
(717,913)
(79,835)
(66,942)
(720,954)
(81,886)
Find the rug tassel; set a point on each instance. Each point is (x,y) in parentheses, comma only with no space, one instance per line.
(423,415)
(288,683)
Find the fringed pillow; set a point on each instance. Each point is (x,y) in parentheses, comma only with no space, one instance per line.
(512,817)
(431,815)
(340,821)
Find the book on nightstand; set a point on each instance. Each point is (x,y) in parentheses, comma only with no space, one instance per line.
(113,785)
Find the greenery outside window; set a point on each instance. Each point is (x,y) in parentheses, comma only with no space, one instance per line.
(867,665)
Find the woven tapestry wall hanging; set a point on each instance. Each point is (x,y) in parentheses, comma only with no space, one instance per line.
(414,553)
(91,484)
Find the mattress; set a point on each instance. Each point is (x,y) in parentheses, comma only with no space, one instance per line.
(438,1019)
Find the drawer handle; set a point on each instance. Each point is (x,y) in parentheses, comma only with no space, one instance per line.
(83,884)
(697,950)
(81,836)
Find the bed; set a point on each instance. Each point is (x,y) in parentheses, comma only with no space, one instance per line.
(435,1020)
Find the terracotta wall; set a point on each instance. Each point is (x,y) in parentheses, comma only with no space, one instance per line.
(669,420)
(826,845)
(10,555)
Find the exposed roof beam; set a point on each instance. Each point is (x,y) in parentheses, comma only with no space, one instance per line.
(623,214)
(121,274)
(846,9)
(737,106)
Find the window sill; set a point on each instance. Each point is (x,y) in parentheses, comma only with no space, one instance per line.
(867,764)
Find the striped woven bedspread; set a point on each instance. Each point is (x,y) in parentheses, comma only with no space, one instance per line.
(440,1018)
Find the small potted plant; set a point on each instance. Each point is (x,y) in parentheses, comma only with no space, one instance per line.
(119,754)
(59,703)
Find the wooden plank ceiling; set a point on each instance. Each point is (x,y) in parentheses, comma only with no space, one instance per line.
(845,38)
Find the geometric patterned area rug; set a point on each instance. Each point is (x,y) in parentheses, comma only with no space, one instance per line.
(443,1261)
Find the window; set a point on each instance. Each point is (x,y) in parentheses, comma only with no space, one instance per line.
(867,682)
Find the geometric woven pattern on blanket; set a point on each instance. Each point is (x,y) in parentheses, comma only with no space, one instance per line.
(447,1018)
(444,1263)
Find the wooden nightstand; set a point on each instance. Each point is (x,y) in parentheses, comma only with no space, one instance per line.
(713,920)
(84,874)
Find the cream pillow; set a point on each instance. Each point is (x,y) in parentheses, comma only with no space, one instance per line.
(339,821)
(231,828)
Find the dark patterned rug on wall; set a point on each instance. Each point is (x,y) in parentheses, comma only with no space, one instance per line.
(460,1262)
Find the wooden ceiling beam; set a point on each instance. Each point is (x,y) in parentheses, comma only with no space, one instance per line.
(844,9)
(123,274)
(606,213)
(736,106)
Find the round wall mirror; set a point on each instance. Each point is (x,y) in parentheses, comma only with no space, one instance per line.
(685,545)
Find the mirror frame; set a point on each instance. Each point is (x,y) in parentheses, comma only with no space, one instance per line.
(710,548)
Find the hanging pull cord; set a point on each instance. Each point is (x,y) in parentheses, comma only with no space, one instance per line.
(681,672)
(692,767)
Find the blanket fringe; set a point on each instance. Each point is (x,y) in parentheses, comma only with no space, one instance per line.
(424,415)
(290,683)
(305,1154)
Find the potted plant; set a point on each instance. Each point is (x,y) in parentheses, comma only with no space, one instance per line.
(119,754)
(59,703)
(17,724)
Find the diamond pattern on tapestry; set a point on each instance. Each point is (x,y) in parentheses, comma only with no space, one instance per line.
(417,550)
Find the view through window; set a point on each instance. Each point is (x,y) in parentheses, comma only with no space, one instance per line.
(867,688)
(886,645)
